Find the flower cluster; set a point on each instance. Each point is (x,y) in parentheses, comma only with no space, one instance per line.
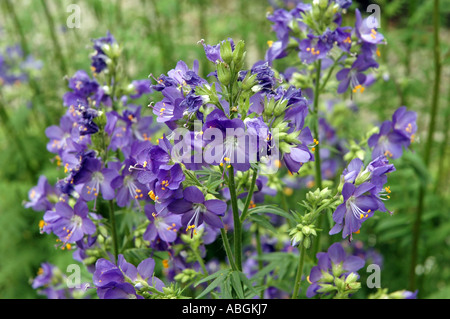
(394,135)
(104,146)
(335,274)
(122,280)
(363,191)
(52,283)
(139,185)
(315,33)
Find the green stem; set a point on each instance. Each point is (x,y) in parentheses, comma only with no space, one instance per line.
(317,164)
(427,155)
(259,254)
(324,82)
(112,218)
(316,126)
(443,148)
(236,219)
(249,196)
(226,245)
(298,277)
(56,45)
(200,261)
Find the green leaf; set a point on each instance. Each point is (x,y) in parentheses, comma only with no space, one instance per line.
(236,284)
(264,222)
(214,284)
(226,288)
(248,283)
(265,209)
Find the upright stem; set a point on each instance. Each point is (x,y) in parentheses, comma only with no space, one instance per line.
(56,45)
(298,277)
(316,126)
(443,147)
(259,253)
(236,218)
(427,155)
(249,196)
(226,245)
(112,218)
(318,176)
(200,261)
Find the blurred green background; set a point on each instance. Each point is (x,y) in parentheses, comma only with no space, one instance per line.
(155,35)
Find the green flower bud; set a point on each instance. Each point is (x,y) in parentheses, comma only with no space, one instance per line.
(361,178)
(326,288)
(90,260)
(269,107)
(280,107)
(307,242)
(351,278)
(337,269)
(239,55)
(292,137)
(340,283)
(306,230)
(326,277)
(323,4)
(249,81)
(223,73)
(226,52)
(285,147)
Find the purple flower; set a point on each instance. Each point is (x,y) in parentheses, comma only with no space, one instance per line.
(169,109)
(335,263)
(354,76)
(313,48)
(168,181)
(213,51)
(44,277)
(234,149)
(141,87)
(98,181)
(62,137)
(366,29)
(195,209)
(404,122)
(357,207)
(264,75)
(99,57)
(409,294)
(121,281)
(82,88)
(39,195)
(162,226)
(70,224)
(388,142)
(128,187)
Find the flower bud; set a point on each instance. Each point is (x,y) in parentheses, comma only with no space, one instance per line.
(280,107)
(326,288)
(223,73)
(239,55)
(307,242)
(249,81)
(226,52)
